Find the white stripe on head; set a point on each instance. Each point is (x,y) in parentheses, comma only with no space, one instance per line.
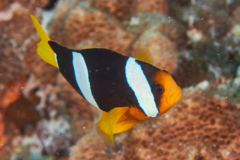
(55,55)
(82,78)
(141,88)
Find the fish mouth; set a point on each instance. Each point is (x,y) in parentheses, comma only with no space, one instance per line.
(175,97)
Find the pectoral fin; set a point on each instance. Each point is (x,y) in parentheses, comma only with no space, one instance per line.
(125,123)
(144,55)
(105,126)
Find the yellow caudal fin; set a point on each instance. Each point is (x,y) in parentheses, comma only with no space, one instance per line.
(43,48)
(105,126)
(144,55)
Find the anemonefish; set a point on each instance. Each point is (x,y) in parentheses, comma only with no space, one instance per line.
(127,90)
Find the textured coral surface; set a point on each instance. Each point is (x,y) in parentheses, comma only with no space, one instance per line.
(200,127)
(42,116)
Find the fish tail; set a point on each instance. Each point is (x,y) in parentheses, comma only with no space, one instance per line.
(43,48)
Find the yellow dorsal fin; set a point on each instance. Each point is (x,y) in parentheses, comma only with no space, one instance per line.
(144,55)
(43,48)
(108,120)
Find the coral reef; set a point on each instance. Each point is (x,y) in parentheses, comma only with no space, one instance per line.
(128,8)
(54,135)
(42,116)
(96,27)
(213,45)
(161,54)
(200,127)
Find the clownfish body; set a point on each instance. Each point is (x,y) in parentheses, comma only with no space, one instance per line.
(126,89)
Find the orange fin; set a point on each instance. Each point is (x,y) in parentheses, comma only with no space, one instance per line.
(144,55)
(125,123)
(107,122)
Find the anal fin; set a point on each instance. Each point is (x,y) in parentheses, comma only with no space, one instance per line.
(105,126)
(125,123)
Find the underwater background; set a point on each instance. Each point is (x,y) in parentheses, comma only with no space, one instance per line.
(198,41)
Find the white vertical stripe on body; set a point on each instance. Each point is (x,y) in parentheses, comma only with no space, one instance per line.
(82,78)
(138,82)
(55,55)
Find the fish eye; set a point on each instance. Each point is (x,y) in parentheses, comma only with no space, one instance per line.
(159,90)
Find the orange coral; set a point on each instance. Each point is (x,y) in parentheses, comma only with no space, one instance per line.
(117,7)
(2,138)
(11,94)
(160,6)
(127,8)
(88,29)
